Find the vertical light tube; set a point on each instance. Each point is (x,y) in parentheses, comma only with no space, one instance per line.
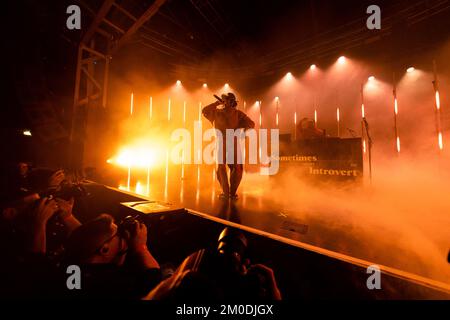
(168,110)
(295,125)
(278,106)
(438,108)
(151,108)
(129,177)
(132,103)
(397,138)
(260,114)
(338,118)
(182,164)
(394,92)
(363,115)
(213,193)
(166,185)
(184,112)
(197,194)
(148,180)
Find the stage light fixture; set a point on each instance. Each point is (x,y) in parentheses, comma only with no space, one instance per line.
(178,83)
(205,85)
(341,59)
(288,76)
(312,67)
(371,78)
(410,69)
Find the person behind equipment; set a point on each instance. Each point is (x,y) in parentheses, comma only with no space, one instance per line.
(306,129)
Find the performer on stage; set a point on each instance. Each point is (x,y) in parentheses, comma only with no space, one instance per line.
(224,118)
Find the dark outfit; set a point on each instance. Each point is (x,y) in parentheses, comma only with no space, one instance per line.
(307,130)
(208,277)
(223,119)
(26,276)
(109,281)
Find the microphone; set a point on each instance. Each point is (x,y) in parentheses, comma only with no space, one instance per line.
(218,98)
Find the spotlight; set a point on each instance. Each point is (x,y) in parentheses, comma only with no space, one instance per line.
(205,85)
(341,59)
(277,98)
(410,69)
(178,83)
(227,85)
(371,78)
(27,133)
(288,76)
(312,67)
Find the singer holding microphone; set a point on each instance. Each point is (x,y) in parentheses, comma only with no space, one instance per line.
(224,115)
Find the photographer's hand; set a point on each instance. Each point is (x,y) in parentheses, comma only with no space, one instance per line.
(138,246)
(269,276)
(56,179)
(30,198)
(66,214)
(138,236)
(65,206)
(44,211)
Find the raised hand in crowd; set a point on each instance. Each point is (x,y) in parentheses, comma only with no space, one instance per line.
(40,215)
(137,244)
(66,215)
(56,179)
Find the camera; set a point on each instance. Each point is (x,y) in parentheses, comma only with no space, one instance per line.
(66,191)
(231,250)
(127,225)
(227,265)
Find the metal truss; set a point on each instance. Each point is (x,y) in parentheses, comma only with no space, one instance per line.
(112,27)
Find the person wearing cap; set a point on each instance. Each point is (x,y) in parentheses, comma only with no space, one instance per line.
(228,117)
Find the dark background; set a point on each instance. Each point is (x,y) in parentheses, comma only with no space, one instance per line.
(259,40)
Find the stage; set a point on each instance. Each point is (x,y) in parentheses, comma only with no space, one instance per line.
(328,218)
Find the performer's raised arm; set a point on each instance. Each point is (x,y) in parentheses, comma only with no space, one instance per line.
(210,111)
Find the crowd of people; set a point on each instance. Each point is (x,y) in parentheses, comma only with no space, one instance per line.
(42,237)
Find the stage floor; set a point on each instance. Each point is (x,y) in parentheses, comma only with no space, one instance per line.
(348,220)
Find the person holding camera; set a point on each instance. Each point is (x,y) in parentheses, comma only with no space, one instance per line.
(24,243)
(114,260)
(219,274)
